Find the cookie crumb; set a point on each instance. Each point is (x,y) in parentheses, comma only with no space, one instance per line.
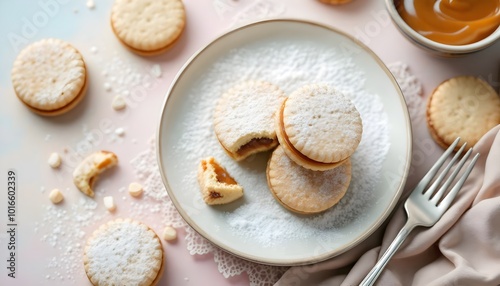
(54,160)
(56,196)
(169,233)
(135,189)
(109,203)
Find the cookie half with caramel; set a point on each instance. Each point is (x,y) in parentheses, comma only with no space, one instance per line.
(217,186)
(244,118)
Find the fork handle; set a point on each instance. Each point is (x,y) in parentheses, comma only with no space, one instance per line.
(396,243)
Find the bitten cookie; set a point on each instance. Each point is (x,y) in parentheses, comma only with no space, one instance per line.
(87,172)
(217,186)
(465,107)
(49,77)
(318,127)
(124,252)
(302,190)
(244,118)
(148,27)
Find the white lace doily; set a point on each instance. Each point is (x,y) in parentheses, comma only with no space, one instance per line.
(146,168)
(156,198)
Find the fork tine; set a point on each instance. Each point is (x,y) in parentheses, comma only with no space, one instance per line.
(434,169)
(439,194)
(428,193)
(446,202)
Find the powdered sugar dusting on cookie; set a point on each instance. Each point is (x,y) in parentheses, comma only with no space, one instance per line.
(123,252)
(290,65)
(322,123)
(48,74)
(246,111)
(304,190)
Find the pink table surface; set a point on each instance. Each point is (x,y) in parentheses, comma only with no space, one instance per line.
(27,139)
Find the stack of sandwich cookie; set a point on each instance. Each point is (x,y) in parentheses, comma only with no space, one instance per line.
(318,128)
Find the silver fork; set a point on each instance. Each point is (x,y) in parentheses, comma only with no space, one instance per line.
(423,208)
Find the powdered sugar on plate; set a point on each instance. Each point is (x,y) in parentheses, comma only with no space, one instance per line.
(289,65)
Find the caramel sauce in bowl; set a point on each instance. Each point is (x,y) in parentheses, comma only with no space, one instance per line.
(447,27)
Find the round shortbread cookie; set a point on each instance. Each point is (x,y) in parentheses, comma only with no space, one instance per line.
(244,118)
(306,191)
(321,124)
(49,77)
(465,107)
(293,153)
(123,252)
(148,27)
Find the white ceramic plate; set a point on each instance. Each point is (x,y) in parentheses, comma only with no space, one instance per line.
(185,137)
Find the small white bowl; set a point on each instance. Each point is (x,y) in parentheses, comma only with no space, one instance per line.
(435,47)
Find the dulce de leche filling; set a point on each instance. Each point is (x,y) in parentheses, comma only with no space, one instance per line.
(255,144)
(220,173)
(453,22)
(296,152)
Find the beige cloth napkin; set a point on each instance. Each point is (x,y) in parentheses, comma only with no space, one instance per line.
(462,248)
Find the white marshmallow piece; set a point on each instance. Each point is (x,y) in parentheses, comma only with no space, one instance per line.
(54,160)
(135,189)
(120,131)
(109,203)
(56,196)
(169,233)
(90,4)
(118,103)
